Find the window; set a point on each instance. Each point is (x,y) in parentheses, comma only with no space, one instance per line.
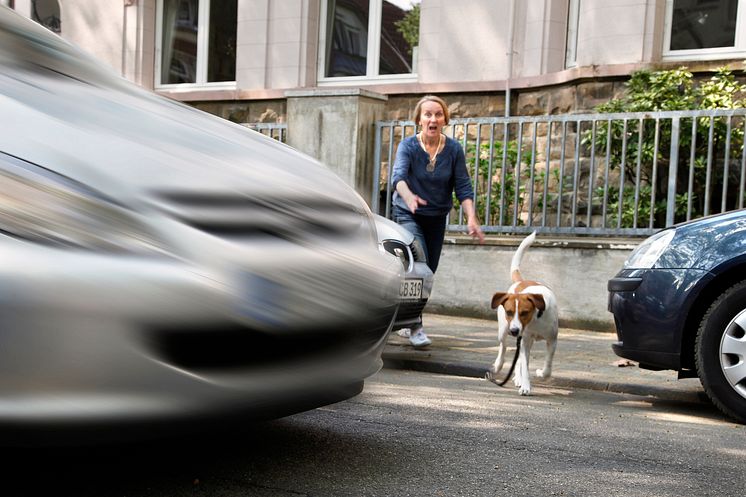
(369,39)
(196,44)
(571,46)
(704,28)
(47,13)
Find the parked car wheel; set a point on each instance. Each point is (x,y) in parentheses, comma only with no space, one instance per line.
(721,351)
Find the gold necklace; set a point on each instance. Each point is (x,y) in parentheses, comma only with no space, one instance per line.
(431,164)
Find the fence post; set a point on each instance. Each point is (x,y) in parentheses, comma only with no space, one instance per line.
(673,167)
(335,126)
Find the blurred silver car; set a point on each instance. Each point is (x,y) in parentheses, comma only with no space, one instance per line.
(418,278)
(160,263)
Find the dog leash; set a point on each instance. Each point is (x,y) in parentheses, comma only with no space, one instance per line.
(489,375)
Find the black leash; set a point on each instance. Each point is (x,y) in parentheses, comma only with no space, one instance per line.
(489,376)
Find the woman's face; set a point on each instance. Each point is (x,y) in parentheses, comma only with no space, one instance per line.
(432,119)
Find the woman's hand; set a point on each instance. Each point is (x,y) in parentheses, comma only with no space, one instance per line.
(472,222)
(475,230)
(413,201)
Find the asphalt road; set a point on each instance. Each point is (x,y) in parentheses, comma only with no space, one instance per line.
(418,434)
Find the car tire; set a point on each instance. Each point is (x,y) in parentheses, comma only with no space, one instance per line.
(721,346)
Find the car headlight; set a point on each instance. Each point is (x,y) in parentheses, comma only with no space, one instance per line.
(398,249)
(39,205)
(648,252)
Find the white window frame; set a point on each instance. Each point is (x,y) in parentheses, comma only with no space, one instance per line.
(203,27)
(571,44)
(374,52)
(736,51)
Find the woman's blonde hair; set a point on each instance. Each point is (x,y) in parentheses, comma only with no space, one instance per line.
(431,98)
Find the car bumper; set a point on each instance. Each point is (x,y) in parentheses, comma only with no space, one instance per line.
(101,338)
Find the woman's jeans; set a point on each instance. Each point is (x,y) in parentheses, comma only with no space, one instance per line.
(429,230)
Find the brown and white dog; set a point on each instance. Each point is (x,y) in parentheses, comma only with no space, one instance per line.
(528,309)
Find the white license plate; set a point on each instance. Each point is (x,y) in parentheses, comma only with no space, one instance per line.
(410,290)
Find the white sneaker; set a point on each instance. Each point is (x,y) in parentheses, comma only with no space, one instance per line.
(404,332)
(419,339)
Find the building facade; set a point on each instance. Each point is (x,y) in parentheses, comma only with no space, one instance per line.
(238,58)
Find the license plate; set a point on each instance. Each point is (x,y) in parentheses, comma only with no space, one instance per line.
(410,290)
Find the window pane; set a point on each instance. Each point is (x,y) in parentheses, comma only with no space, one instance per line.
(703,24)
(347,46)
(400,35)
(179,63)
(221,62)
(571,46)
(47,13)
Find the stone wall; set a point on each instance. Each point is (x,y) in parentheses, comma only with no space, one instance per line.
(567,99)
(401,107)
(573,98)
(247,111)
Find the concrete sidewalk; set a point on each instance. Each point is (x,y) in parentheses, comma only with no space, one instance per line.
(584,359)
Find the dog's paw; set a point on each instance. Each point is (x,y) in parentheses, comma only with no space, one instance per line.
(541,373)
(525,390)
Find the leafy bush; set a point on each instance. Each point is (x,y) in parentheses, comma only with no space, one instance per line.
(636,203)
(496,184)
(672,90)
(409,27)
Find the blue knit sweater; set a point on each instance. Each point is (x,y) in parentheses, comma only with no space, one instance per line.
(435,187)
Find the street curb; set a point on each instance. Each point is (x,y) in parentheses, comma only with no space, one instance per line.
(474,370)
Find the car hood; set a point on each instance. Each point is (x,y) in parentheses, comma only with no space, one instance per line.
(708,242)
(389,230)
(128,142)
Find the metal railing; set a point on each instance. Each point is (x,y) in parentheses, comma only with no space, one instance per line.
(588,174)
(278,131)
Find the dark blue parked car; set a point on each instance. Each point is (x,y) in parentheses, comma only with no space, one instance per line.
(680,303)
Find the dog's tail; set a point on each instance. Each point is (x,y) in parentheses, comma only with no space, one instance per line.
(515,264)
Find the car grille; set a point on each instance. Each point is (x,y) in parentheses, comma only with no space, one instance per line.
(242,216)
(235,346)
(418,252)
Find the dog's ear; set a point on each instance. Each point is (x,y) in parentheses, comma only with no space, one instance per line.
(538,301)
(498,299)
